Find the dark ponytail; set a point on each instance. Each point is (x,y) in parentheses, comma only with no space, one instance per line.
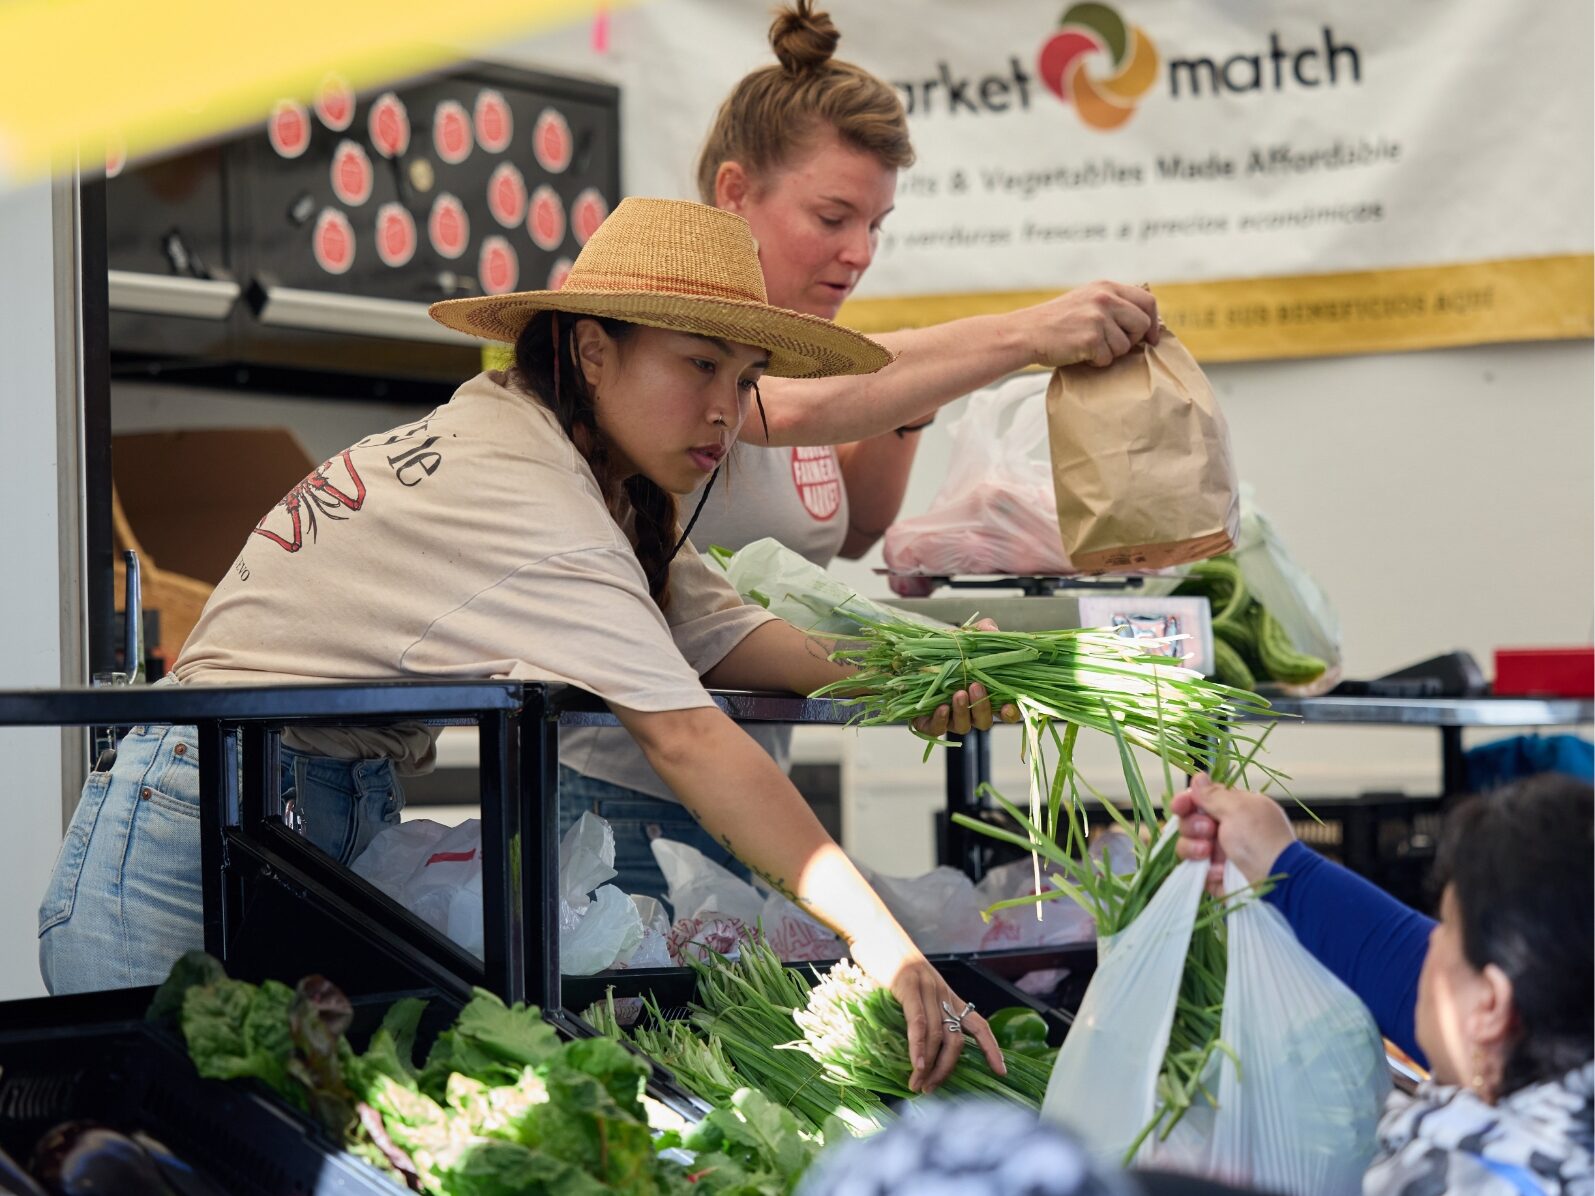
(545,359)
(1519,862)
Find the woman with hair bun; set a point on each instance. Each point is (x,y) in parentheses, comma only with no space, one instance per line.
(807,150)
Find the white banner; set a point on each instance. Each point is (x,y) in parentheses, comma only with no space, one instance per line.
(1293,178)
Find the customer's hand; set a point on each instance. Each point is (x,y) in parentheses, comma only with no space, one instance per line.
(1219,824)
(1097,323)
(933,1049)
(969,708)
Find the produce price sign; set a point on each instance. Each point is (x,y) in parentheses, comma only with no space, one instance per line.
(1293,179)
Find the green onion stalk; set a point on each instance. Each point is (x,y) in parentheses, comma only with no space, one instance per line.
(857,1031)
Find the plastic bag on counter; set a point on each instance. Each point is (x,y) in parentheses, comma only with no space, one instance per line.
(799,591)
(1299,1113)
(939,909)
(995,512)
(717,910)
(1288,591)
(1062,921)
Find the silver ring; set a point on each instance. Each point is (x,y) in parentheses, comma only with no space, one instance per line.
(954,1026)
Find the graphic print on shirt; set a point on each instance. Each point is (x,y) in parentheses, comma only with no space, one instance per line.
(818,480)
(322,493)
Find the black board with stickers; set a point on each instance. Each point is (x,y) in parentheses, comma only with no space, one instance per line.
(301,253)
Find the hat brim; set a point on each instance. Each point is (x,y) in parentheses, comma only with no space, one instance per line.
(800,346)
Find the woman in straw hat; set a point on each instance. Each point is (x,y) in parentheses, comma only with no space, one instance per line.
(525,529)
(808,150)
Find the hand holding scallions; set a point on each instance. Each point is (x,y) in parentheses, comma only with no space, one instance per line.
(1219,824)
(933,1048)
(969,708)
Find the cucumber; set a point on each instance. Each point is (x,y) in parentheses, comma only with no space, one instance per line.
(1279,657)
(1230,668)
(1219,580)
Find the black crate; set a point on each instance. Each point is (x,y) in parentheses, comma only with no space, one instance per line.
(133,1076)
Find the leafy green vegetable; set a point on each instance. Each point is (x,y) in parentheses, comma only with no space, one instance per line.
(192,970)
(237,1030)
(490,1042)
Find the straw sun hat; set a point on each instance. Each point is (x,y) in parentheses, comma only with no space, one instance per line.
(684,266)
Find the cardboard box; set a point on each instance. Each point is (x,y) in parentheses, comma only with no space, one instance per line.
(186,501)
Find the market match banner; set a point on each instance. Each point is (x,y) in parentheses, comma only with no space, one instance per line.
(1293,179)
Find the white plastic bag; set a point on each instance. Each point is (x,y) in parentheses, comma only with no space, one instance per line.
(939,909)
(1299,1117)
(1061,921)
(1288,591)
(715,909)
(799,591)
(600,932)
(434,871)
(996,511)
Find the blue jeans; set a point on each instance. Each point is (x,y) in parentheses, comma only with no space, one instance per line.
(124,900)
(637,820)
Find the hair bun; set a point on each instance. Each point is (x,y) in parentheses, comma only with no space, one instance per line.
(803,39)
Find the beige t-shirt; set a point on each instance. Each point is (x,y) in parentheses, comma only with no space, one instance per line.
(471,544)
(795,495)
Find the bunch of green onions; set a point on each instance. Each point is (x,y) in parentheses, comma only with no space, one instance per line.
(1081,677)
(699,1063)
(858,1032)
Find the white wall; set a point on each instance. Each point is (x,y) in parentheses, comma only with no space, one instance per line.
(37,584)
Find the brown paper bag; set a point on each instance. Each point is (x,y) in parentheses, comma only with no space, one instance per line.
(1141,462)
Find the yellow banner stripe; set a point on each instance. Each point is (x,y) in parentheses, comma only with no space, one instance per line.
(159,73)
(1322,315)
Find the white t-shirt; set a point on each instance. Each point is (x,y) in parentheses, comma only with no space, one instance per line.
(471,544)
(795,495)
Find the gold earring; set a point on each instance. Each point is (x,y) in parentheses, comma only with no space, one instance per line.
(1477,1082)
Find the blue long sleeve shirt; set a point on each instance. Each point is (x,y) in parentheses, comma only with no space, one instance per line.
(1367,938)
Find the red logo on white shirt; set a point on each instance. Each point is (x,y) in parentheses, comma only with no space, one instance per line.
(818,479)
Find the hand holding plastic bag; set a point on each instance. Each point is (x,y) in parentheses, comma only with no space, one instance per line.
(1297,1116)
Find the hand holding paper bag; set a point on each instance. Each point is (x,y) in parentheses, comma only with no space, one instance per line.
(1141,462)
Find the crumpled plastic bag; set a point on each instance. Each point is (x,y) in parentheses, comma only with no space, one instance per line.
(996,511)
(1062,920)
(435,872)
(718,910)
(796,589)
(1299,1114)
(939,909)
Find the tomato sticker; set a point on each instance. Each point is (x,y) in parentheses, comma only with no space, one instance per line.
(506,195)
(448,227)
(451,132)
(818,481)
(499,267)
(352,175)
(546,220)
(558,273)
(288,128)
(389,124)
(587,213)
(551,141)
(395,235)
(333,241)
(335,103)
(495,126)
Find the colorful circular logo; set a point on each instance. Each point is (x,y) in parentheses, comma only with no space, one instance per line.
(588,211)
(499,267)
(288,128)
(1087,31)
